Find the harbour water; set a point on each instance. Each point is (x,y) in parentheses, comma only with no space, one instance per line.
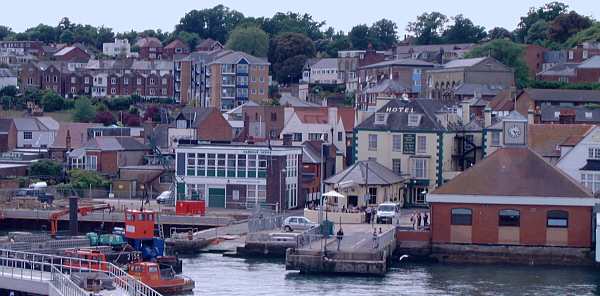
(218,275)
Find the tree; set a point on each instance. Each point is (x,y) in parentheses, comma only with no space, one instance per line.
(538,32)
(251,40)
(9,90)
(499,33)
(190,38)
(45,168)
(106,118)
(383,32)
(359,36)
(508,53)
(151,113)
(84,110)
(131,120)
(463,31)
(5,32)
(41,32)
(288,52)
(330,47)
(52,101)
(215,23)
(293,22)
(566,25)
(547,13)
(428,28)
(591,34)
(83,179)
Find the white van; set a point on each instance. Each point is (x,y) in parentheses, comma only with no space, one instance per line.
(386,212)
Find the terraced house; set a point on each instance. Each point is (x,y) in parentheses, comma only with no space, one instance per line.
(423,140)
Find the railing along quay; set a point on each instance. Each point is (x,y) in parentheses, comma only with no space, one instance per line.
(55,270)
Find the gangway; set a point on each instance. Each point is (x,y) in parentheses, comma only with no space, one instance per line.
(49,275)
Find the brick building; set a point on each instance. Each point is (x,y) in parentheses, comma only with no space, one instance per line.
(149,48)
(175,48)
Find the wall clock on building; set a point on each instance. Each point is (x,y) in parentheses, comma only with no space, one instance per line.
(514,132)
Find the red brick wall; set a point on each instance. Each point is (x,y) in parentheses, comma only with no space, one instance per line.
(532,229)
(420,236)
(534,58)
(588,75)
(215,128)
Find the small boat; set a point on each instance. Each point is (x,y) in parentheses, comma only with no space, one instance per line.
(162,280)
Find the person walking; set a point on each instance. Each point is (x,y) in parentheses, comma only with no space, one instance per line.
(340,236)
(425,219)
(419,220)
(368,215)
(373,215)
(375,239)
(412,220)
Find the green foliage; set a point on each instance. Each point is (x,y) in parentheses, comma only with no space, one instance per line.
(5,32)
(330,47)
(563,85)
(251,40)
(359,37)
(546,13)
(428,28)
(566,25)
(292,22)
(52,101)
(84,110)
(383,34)
(508,53)
(10,91)
(45,168)
(82,179)
(106,118)
(349,99)
(118,103)
(499,33)
(215,23)
(590,34)
(537,33)
(190,38)
(463,31)
(287,53)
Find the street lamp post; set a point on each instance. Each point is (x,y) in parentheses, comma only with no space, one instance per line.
(280,191)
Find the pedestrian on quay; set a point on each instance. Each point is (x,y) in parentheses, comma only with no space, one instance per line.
(425,219)
(413,220)
(419,220)
(375,239)
(340,236)
(373,215)
(368,215)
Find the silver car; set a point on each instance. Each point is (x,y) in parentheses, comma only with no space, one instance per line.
(298,223)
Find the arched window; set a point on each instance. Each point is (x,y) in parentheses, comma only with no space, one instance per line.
(509,218)
(461,217)
(558,219)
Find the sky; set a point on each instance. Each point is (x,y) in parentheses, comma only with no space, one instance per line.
(124,15)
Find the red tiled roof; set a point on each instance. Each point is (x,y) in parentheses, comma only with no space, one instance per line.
(546,138)
(312,115)
(347,114)
(514,172)
(177,43)
(78,132)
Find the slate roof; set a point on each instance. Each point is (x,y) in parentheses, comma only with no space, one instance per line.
(513,172)
(591,63)
(564,95)
(465,89)
(566,69)
(288,100)
(33,124)
(5,124)
(397,119)
(357,174)
(115,144)
(591,165)
(434,47)
(546,139)
(388,86)
(463,63)
(234,57)
(325,63)
(77,131)
(196,115)
(399,62)
(548,113)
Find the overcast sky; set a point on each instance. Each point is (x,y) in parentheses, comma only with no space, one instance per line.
(124,15)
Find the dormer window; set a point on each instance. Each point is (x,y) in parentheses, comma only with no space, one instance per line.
(380,118)
(414,120)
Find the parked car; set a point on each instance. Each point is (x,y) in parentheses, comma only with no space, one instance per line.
(164,197)
(40,194)
(298,223)
(386,212)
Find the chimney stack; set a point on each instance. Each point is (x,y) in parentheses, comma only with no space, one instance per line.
(68,141)
(487,117)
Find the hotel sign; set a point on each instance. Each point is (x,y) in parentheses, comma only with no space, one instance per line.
(260,152)
(408,143)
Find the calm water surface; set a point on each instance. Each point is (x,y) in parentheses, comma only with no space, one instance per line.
(218,275)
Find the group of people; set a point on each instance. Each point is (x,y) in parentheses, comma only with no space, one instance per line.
(370,214)
(416,218)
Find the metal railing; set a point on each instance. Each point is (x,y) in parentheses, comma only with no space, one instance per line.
(264,223)
(42,264)
(64,285)
(308,237)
